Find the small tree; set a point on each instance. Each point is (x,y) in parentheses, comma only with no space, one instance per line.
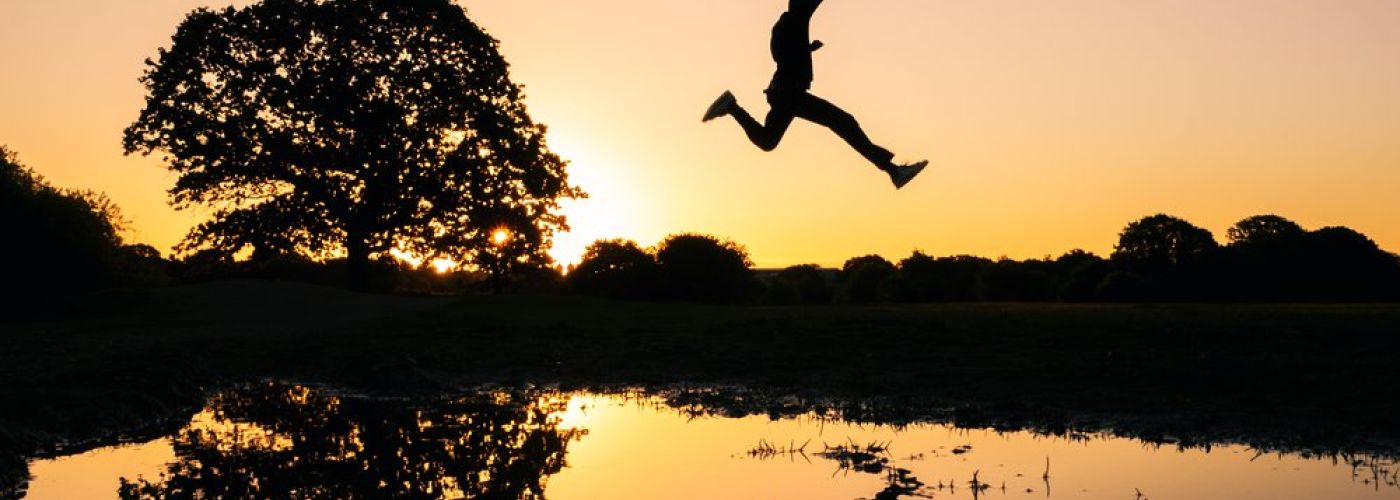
(1264,229)
(1263,258)
(1343,264)
(703,268)
(1079,273)
(329,127)
(615,269)
(1160,242)
(1168,259)
(861,277)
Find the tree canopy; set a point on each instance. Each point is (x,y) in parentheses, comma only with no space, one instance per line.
(1159,242)
(703,268)
(1264,229)
(351,127)
(615,269)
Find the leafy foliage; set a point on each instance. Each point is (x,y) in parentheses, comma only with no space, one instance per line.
(956,278)
(861,277)
(279,441)
(1346,265)
(1078,274)
(1161,241)
(703,268)
(804,284)
(62,240)
(1264,229)
(616,269)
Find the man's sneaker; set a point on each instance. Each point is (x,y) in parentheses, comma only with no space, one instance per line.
(721,106)
(902,174)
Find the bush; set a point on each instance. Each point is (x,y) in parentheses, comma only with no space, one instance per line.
(803,284)
(860,279)
(703,268)
(1345,265)
(534,279)
(895,288)
(383,275)
(1078,275)
(1123,286)
(1019,281)
(141,265)
(944,279)
(616,269)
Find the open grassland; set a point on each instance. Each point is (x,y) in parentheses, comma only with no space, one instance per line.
(128,360)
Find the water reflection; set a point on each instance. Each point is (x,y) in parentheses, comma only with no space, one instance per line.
(287,441)
(280,441)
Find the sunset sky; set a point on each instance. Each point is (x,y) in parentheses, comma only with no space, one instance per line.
(1050,125)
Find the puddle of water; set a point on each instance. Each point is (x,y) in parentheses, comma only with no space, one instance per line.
(291,441)
(95,474)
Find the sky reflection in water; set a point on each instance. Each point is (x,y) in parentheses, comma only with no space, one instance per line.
(278,440)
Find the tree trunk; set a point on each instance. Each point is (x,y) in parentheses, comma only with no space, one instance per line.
(357,262)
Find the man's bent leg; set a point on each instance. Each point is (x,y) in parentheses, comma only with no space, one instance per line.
(768,134)
(826,114)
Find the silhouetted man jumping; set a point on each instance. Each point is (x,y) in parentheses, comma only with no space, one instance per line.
(788,97)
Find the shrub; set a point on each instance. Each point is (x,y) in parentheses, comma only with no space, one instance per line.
(803,284)
(1078,275)
(959,278)
(703,268)
(860,279)
(617,269)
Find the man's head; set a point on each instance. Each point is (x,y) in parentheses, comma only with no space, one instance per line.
(806,6)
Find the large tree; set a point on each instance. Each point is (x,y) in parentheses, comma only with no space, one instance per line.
(351,127)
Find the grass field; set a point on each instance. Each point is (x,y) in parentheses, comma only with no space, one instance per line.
(129,360)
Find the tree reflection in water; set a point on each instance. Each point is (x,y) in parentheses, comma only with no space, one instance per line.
(277,440)
(287,441)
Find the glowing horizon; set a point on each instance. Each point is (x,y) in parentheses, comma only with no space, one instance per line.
(1050,126)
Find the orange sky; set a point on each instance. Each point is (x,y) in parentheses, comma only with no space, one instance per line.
(1050,125)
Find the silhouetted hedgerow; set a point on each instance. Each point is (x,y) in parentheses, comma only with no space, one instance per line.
(69,241)
(61,241)
(1157,258)
(384,275)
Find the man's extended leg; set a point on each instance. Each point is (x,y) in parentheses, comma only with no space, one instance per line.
(826,114)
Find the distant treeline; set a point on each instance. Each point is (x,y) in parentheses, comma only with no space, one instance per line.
(63,241)
(1158,258)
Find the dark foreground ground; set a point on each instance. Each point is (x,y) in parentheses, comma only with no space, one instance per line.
(1322,376)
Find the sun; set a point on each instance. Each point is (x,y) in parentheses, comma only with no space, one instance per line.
(442,266)
(500,236)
